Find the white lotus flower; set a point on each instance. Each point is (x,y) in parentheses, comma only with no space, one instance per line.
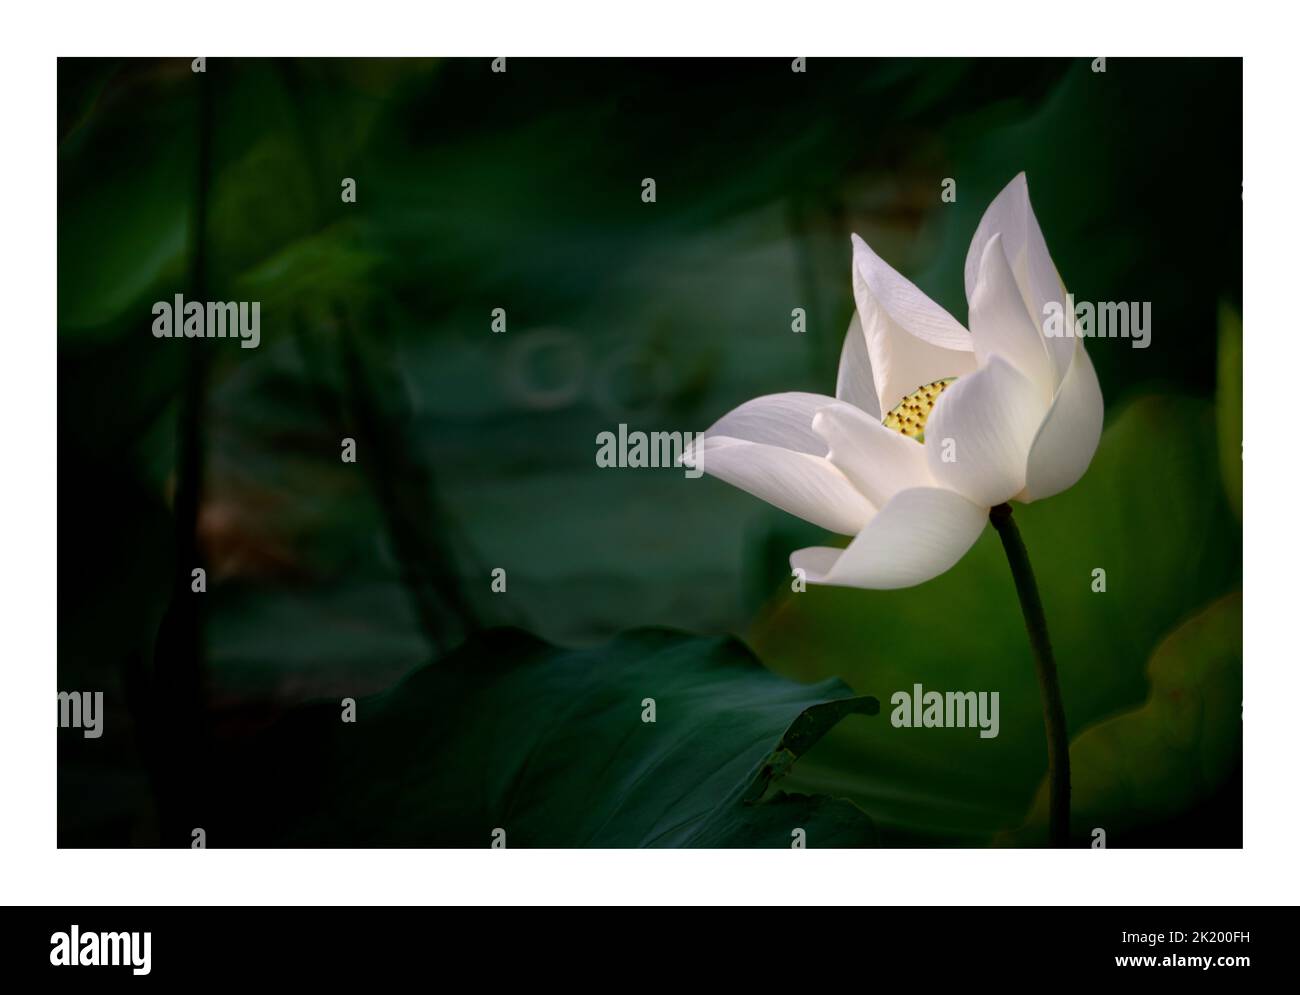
(1017,413)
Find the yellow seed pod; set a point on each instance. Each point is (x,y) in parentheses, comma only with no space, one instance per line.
(910,414)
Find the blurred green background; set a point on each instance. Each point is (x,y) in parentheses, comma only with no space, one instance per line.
(521,190)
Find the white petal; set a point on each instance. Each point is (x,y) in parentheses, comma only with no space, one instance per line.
(1069,435)
(806,486)
(1012,216)
(1000,324)
(911,340)
(878,461)
(991,418)
(854,383)
(921,533)
(783,420)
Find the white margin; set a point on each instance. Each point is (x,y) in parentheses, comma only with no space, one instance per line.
(35,872)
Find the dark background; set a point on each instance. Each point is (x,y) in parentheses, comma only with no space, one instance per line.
(522,191)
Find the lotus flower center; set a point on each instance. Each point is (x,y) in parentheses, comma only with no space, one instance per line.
(911,413)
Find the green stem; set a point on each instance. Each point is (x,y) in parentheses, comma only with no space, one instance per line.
(1058,739)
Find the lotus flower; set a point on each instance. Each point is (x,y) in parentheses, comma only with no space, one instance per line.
(931,425)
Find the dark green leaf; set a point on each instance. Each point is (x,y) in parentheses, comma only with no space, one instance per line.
(550,745)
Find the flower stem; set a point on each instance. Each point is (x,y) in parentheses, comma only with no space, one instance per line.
(1058,740)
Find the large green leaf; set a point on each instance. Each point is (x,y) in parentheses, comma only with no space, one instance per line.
(1228,404)
(1156,762)
(1149,512)
(550,745)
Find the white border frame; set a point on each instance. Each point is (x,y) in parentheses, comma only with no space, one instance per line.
(35,872)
